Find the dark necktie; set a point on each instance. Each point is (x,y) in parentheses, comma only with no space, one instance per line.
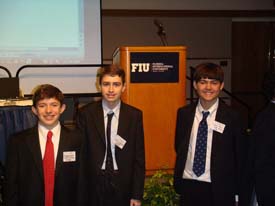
(48,168)
(109,158)
(201,143)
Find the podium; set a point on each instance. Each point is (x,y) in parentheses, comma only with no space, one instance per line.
(155,83)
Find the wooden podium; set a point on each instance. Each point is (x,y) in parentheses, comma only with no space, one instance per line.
(155,83)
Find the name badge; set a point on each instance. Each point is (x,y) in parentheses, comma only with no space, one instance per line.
(218,127)
(119,141)
(69,156)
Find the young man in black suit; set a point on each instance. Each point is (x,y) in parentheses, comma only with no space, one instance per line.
(115,144)
(209,144)
(43,162)
(260,173)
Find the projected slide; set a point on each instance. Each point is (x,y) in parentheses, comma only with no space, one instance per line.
(49,32)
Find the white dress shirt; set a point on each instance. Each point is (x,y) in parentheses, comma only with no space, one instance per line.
(114,127)
(188,171)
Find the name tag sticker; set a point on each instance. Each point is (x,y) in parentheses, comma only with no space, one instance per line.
(219,127)
(119,141)
(69,156)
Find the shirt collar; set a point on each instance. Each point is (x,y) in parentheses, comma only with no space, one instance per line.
(107,110)
(211,110)
(44,131)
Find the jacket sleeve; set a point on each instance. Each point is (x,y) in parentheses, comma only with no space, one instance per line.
(11,186)
(139,170)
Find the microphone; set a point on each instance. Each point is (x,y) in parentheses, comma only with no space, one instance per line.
(158,23)
(161,32)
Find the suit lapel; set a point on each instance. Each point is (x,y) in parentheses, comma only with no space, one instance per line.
(187,125)
(61,147)
(123,120)
(34,146)
(221,117)
(123,124)
(99,120)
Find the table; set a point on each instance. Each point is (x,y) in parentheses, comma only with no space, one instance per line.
(15,116)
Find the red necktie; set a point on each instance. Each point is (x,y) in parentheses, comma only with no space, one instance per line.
(48,167)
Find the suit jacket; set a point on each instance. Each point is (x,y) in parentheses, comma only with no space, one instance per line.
(24,170)
(130,159)
(260,173)
(226,155)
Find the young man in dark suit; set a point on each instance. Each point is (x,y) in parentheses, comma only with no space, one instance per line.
(115,144)
(43,162)
(209,145)
(260,170)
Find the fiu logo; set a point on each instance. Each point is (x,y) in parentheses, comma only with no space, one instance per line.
(140,67)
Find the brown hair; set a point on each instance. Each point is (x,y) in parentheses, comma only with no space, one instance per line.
(208,71)
(46,91)
(112,70)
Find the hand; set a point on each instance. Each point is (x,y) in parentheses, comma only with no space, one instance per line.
(134,202)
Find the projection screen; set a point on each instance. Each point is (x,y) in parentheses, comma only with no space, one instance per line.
(51,32)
